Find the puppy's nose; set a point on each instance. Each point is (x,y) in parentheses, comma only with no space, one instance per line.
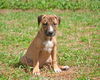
(50,33)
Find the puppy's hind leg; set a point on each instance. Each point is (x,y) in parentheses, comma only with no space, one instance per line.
(26,61)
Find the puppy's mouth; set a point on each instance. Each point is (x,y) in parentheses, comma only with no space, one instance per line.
(50,34)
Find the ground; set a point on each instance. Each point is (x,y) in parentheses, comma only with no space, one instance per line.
(78,44)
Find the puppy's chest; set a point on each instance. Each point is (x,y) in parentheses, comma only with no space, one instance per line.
(48,46)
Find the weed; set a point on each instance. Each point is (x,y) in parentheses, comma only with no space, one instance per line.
(50,4)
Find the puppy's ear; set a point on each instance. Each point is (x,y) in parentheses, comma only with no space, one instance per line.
(59,20)
(39,19)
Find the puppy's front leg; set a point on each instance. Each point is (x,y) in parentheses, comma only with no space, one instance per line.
(36,70)
(54,60)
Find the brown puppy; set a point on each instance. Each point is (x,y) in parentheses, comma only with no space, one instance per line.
(44,47)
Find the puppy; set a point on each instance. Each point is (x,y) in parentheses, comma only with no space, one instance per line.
(43,48)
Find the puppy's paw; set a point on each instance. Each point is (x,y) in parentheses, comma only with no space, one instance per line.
(36,72)
(64,67)
(57,70)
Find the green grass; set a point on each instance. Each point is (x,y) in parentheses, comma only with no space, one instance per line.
(78,42)
(50,4)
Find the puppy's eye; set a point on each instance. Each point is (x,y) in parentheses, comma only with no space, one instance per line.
(45,24)
(55,24)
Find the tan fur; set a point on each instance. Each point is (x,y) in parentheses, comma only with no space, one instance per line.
(36,54)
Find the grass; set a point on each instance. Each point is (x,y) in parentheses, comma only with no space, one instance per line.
(78,43)
(50,4)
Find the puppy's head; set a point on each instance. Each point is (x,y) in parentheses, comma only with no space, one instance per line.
(49,24)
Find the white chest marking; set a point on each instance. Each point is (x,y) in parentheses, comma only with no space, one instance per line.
(48,46)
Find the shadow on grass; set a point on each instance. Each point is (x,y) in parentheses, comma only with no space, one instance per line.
(22,66)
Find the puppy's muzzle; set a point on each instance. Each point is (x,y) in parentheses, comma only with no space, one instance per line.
(50,33)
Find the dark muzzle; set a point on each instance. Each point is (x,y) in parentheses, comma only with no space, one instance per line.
(49,33)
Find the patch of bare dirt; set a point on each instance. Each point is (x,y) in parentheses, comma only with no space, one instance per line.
(65,75)
(33,10)
(2,11)
(2,36)
(97,78)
